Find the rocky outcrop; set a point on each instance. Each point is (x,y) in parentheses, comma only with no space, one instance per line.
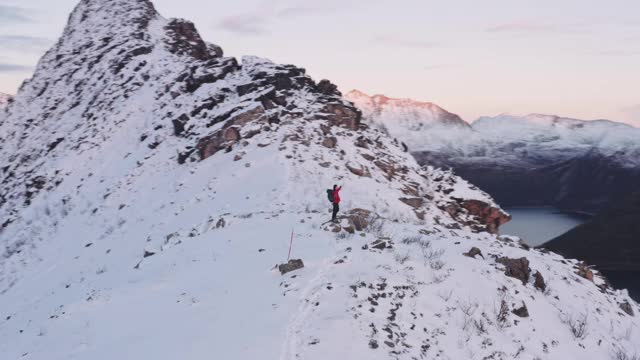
(358,169)
(343,115)
(291,265)
(584,271)
(521,311)
(182,38)
(539,282)
(491,216)
(516,268)
(627,308)
(473,252)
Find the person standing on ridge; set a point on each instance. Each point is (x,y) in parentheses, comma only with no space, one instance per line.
(336,201)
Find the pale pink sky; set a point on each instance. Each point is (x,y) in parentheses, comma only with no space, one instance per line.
(575,58)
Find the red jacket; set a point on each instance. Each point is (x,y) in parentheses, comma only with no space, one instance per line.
(336,195)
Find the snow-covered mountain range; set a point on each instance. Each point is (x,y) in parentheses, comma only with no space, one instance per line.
(415,122)
(150,185)
(523,160)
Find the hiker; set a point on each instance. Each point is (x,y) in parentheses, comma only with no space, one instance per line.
(336,201)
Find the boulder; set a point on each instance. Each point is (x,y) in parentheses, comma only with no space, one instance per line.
(359,170)
(584,271)
(379,244)
(627,308)
(359,218)
(521,311)
(293,264)
(539,282)
(473,252)
(516,268)
(330,142)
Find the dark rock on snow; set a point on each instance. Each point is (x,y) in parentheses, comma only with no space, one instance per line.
(292,265)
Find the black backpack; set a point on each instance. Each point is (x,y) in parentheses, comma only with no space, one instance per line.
(330,195)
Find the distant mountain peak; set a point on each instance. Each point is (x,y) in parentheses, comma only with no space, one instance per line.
(410,120)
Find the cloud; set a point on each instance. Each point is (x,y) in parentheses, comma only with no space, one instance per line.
(522,26)
(619,52)
(440,66)
(405,42)
(245,24)
(14,14)
(527,26)
(14,68)
(298,11)
(24,43)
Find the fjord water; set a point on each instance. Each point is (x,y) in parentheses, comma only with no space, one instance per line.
(537,225)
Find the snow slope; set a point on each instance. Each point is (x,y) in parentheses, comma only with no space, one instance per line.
(152,184)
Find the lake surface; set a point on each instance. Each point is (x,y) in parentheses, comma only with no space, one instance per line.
(537,225)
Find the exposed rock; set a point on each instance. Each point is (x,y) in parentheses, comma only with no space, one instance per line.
(221,139)
(626,307)
(584,271)
(516,268)
(363,142)
(368,157)
(253,115)
(381,244)
(359,218)
(343,115)
(521,311)
(221,223)
(327,88)
(148,253)
(178,124)
(359,170)
(330,142)
(473,252)
(413,202)
(490,216)
(388,168)
(293,264)
(539,282)
(183,39)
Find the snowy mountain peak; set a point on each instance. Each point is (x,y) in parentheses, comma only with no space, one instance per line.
(406,119)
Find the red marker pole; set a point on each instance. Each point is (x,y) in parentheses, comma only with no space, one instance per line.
(290,244)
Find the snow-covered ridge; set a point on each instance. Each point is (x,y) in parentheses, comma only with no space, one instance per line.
(150,185)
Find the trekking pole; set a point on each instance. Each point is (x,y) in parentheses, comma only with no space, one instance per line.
(290,244)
